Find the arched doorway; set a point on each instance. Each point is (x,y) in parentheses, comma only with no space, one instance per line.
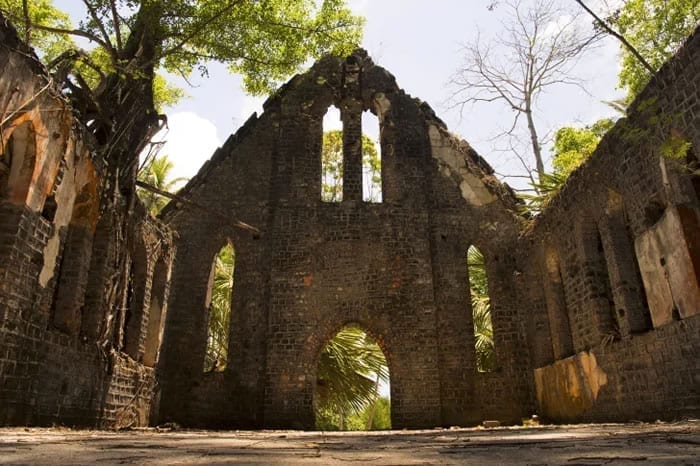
(352,383)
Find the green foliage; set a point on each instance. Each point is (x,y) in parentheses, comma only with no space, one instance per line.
(350,368)
(332,167)
(572,146)
(372,170)
(545,189)
(157,173)
(656,28)
(216,355)
(47,45)
(165,94)
(380,411)
(264,40)
(676,147)
(481,311)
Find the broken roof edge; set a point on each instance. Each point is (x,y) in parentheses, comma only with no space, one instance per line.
(329,69)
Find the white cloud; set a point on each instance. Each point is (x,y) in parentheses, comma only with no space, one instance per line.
(190,141)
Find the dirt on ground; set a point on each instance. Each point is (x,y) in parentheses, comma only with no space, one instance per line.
(592,444)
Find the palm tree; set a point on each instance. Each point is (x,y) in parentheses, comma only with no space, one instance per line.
(481,311)
(216,355)
(156,173)
(349,371)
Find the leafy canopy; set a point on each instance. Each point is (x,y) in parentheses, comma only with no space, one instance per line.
(656,28)
(572,146)
(264,40)
(48,44)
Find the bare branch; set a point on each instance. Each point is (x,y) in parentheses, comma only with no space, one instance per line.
(539,46)
(184,200)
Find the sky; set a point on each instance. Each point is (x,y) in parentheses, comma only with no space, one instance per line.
(420,42)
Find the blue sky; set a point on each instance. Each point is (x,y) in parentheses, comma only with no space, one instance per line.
(418,41)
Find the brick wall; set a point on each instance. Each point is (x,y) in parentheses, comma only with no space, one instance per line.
(61,361)
(628,209)
(396,268)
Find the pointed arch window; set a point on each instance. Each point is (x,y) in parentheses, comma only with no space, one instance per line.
(371,158)
(332,157)
(17,160)
(481,310)
(221,296)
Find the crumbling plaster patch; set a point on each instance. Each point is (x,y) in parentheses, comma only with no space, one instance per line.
(452,164)
(569,387)
(78,173)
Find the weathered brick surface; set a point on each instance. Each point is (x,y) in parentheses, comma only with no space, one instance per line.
(396,268)
(591,229)
(566,288)
(60,358)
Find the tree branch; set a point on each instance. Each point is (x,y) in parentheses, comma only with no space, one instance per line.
(618,36)
(71,32)
(178,198)
(107,43)
(27,22)
(117,25)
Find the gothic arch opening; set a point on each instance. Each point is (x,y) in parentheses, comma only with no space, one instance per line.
(17,162)
(352,383)
(371,158)
(332,157)
(557,310)
(481,310)
(219,302)
(156,313)
(137,297)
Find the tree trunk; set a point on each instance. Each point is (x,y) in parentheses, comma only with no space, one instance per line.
(536,150)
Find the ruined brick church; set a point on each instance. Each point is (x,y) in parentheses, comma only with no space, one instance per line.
(595,301)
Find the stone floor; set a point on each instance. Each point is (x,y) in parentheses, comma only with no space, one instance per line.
(594,444)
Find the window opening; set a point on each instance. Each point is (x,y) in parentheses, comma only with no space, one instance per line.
(17,162)
(352,383)
(332,157)
(371,159)
(221,292)
(50,207)
(608,319)
(559,325)
(154,334)
(481,311)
